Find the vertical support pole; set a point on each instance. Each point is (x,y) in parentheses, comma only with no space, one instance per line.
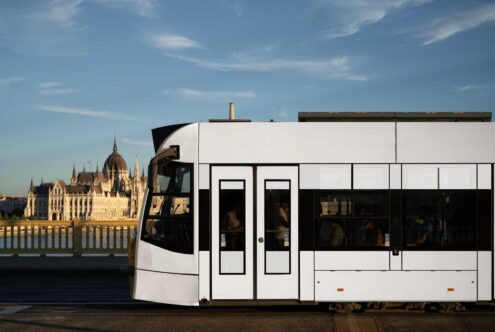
(18,234)
(47,230)
(77,237)
(121,237)
(108,238)
(60,237)
(114,246)
(94,229)
(31,230)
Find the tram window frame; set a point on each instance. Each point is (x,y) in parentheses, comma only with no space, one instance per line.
(229,240)
(438,236)
(181,225)
(352,221)
(277,208)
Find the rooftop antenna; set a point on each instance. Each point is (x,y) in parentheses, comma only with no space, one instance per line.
(231,116)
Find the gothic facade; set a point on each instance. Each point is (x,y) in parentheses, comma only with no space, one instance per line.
(112,194)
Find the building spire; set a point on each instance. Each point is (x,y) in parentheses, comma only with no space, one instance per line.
(97,168)
(41,183)
(31,186)
(136,168)
(74,174)
(115,144)
(84,167)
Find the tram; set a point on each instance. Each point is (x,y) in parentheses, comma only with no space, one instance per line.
(337,208)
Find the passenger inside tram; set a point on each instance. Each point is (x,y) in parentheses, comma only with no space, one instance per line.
(369,235)
(425,226)
(331,234)
(232,224)
(282,222)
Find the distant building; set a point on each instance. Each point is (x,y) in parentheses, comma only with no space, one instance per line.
(12,205)
(114,193)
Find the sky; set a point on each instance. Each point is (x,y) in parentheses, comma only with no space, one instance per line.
(74,74)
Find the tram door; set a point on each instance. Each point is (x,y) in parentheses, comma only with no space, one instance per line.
(277,263)
(232,233)
(254,261)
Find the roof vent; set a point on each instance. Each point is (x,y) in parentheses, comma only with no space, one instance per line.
(231,116)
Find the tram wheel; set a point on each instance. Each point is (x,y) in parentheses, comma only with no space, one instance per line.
(348,307)
(450,307)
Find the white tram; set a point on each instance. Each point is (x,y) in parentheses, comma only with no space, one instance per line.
(394,207)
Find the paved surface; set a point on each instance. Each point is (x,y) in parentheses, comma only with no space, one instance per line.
(70,298)
(168,318)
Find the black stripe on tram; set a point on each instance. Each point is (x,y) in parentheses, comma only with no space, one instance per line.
(204,219)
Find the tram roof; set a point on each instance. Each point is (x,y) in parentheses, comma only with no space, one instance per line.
(395,117)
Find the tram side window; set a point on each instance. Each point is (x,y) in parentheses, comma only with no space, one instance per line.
(232,214)
(440,220)
(168,219)
(277,216)
(352,220)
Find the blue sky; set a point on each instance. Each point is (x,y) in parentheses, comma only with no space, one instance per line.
(74,73)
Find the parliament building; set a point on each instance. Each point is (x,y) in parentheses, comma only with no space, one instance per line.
(112,194)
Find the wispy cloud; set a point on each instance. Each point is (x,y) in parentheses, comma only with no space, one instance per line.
(136,142)
(59,12)
(333,68)
(237,7)
(172,42)
(87,112)
(210,95)
(11,80)
(42,27)
(54,89)
(141,7)
(473,87)
(454,22)
(49,85)
(351,16)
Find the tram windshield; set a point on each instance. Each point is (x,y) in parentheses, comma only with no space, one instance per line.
(168,218)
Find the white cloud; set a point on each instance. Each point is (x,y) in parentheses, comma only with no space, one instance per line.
(87,112)
(211,95)
(455,22)
(473,87)
(145,7)
(332,68)
(54,89)
(173,42)
(141,7)
(49,85)
(57,92)
(463,88)
(10,80)
(59,12)
(351,16)
(136,142)
(42,27)
(237,8)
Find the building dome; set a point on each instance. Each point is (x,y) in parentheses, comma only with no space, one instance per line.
(115,161)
